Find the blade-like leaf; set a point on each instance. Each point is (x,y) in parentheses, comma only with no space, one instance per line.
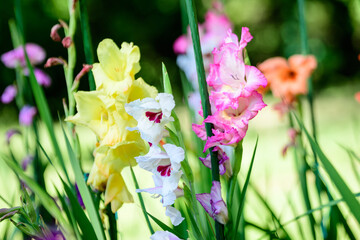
(164,226)
(84,191)
(340,184)
(142,202)
(166,80)
(43,197)
(243,192)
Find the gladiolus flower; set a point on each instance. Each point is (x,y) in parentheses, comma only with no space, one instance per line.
(9,94)
(27,114)
(152,115)
(174,215)
(213,203)
(288,78)
(16,57)
(164,235)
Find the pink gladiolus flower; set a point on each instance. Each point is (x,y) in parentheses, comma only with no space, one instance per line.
(230,75)
(9,94)
(27,114)
(41,77)
(16,57)
(213,203)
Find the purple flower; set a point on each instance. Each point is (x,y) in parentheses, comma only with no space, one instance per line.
(9,94)
(213,203)
(41,77)
(81,202)
(224,162)
(16,56)
(26,161)
(27,114)
(10,133)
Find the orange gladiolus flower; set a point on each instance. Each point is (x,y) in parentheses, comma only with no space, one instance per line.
(287,79)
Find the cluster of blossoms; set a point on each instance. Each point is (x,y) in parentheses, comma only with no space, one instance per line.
(162,160)
(16,59)
(233,93)
(212,33)
(103,111)
(234,100)
(128,117)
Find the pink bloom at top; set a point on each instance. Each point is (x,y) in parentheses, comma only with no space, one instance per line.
(27,114)
(213,203)
(229,76)
(9,94)
(16,56)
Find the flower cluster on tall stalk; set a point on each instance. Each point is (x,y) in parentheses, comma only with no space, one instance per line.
(234,102)
(103,111)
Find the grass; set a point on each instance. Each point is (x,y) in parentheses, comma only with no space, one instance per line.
(275,176)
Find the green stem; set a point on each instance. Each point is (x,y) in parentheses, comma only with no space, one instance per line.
(191,12)
(112,223)
(236,170)
(85,29)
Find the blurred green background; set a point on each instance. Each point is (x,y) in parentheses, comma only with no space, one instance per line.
(333,29)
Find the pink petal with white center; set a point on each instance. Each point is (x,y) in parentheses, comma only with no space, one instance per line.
(174,215)
(254,79)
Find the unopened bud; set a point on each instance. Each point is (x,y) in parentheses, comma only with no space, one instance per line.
(86,68)
(63,24)
(66,42)
(54,33)
(53,61)
(74,4)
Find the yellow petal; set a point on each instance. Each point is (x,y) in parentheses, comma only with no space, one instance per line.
(117,192)
(93,112)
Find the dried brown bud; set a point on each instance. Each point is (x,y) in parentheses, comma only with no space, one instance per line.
(66,42)
(55,61)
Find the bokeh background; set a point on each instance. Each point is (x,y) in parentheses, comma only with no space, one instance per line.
(333,29)
(334,38)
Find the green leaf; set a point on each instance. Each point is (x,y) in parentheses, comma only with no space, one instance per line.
(166,80)
(79,214)
(141,201)
(84,191)
(164,226)
(243,192)
(340,184)
(38,92)
(6,213)
(85,29)
(28,205)
(43,197)
(69,213)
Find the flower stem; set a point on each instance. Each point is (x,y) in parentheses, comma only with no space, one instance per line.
(112,223)
(191,12)
(85,29)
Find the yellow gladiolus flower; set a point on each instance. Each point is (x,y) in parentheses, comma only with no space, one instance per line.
(116,192)
(117,68)
(103,111)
